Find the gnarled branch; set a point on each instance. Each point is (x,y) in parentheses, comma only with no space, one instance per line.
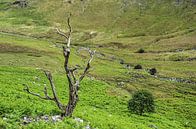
(46,94)
(67,36)
(47,97)
(38,95)
(61,33)
(58,103)
(91,53)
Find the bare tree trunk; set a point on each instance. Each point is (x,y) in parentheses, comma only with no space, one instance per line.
(73,82)
(73,99)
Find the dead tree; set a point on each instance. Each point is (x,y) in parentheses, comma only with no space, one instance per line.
(73,81)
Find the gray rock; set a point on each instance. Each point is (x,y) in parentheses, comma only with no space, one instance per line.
(45,118)
(4,118)
(88,127)
(153,126)
(79,120)
(56,118)
(27,120)
(120,84)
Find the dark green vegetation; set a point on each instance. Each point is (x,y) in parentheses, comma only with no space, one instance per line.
(164,29)
(141,102)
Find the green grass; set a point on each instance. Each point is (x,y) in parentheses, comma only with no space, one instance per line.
(165,31)
(103,105)
(96,105)
(156,18)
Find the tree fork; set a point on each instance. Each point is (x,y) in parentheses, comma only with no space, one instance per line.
(74,83)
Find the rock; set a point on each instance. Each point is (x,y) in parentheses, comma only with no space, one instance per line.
(37,119)
(100,46)
(153,71)
(120,84)
(122,61)
(138,67)
(153,126)
(88,127)
(141,51)
(4,118)
(69,1)
(45,118)
(128,66)
(191,59)
(93,34)
(112,57)
(27,120)
(79,120)
(92,78)
(56,118)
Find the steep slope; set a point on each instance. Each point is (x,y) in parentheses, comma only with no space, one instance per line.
(117,29)
(151,17)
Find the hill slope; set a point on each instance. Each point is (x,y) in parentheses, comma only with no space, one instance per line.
(117,29)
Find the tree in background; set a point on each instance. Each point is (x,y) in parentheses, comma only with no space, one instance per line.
(142,101)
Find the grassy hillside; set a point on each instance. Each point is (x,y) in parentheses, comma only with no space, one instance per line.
(165,30)
(150,17)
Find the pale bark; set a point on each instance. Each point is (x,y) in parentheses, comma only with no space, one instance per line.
(73,81)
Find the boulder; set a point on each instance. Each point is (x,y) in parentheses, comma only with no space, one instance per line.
(138,67)
(153,71)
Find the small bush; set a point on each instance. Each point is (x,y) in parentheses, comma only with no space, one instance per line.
(141,50)
(122,61)
(153,71)
(141,102)
(138,67)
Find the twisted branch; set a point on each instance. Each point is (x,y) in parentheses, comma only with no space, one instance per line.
(91,53)
(66,36)
(38,95)
(58,103)
(47,97)
(61,33)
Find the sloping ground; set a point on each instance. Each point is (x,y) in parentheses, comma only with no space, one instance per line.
(165,30)
(136,18)
(97,106)
(101,105)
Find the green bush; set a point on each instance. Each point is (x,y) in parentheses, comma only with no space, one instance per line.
(141,102)
(141,50)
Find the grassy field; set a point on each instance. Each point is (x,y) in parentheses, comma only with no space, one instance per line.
(165,30)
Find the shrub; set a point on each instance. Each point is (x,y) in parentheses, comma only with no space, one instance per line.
(141,102)
(138,67)
(141,50)
(153,71)
(122,61)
